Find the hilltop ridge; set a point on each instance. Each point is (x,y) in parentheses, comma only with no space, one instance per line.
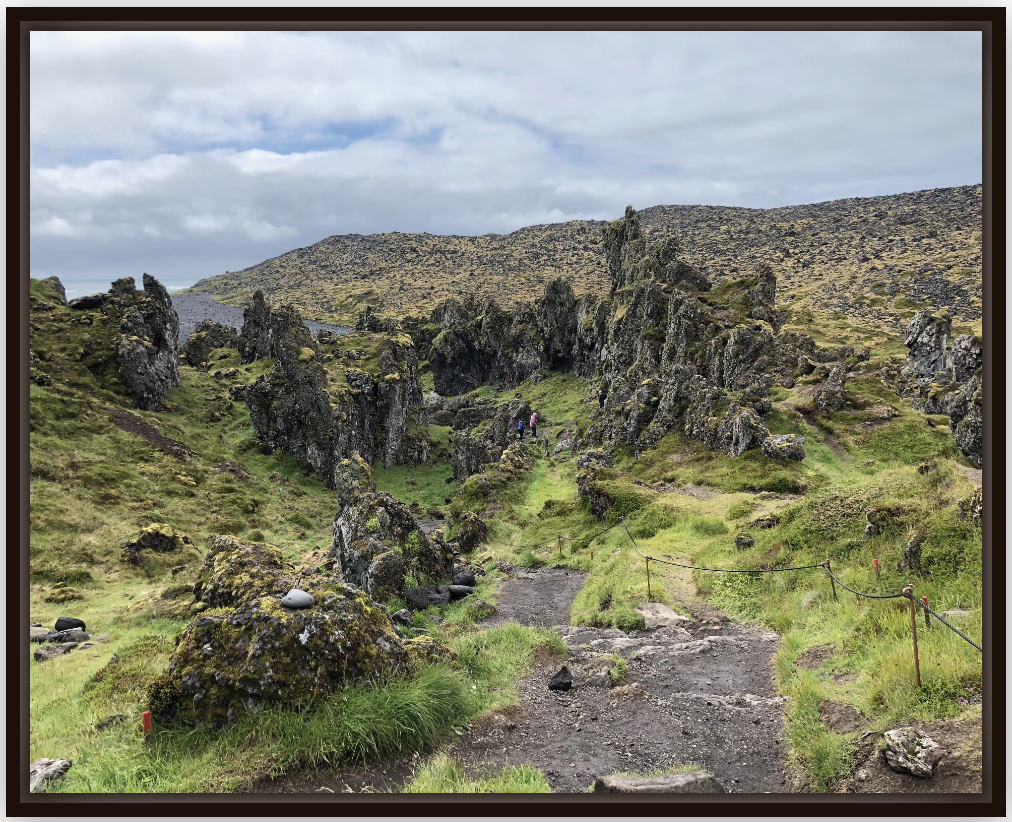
(870,261)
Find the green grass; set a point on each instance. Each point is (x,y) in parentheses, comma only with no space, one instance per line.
(443,774)
(429,489)
(356,724)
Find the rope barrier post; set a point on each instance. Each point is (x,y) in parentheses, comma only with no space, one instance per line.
(878,577)
(909,593)
(831,580)
(650,596)
(560,546)
(927,616)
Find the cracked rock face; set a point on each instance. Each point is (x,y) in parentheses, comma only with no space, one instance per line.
(146,344)
(829,396)
(910,751)
(373,525)
(944,377)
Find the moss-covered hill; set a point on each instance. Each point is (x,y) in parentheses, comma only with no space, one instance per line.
(869,262)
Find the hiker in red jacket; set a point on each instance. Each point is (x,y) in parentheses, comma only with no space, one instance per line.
(534,425)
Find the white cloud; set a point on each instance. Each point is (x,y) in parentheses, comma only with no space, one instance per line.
(221,148)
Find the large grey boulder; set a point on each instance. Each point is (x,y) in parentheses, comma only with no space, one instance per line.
(907,750)
(687,782)
(249,651)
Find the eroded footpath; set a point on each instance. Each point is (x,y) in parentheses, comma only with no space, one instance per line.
(697,693)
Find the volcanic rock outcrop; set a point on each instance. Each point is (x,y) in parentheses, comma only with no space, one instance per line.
(377,540)
(669,351)
(206,337)
(323,419)
(146,344)
(247,650)
(946,377)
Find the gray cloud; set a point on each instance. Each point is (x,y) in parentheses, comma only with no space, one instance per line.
(201,152)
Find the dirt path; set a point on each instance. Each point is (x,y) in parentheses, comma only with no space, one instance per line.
(700,695)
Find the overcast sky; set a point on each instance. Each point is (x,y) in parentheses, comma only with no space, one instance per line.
(188,154)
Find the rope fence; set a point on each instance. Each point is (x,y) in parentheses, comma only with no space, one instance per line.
(906,593)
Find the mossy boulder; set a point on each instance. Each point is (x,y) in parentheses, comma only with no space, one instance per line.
(784,447)
(472,532)
(245,649)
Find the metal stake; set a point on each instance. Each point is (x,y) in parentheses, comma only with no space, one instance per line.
(831,580)
(909,593)
(650,597)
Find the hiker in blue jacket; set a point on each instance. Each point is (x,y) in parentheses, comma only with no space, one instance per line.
(520,431)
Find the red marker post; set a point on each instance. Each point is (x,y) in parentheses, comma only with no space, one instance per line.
(878,579)
(146,721)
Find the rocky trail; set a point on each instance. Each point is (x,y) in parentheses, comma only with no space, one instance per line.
(696,692)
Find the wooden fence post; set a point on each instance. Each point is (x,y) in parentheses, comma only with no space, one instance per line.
(650,596)
(831,580)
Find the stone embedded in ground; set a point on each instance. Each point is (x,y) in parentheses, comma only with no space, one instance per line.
(657,615)
(784,447)
(459,591)
(562,681)
(74,634)
(464,576)
(66,623)
(744,541)
(688,782)
(43,771)
(35,633)
(401,617)
(47,652)
(909,751)
(297,599)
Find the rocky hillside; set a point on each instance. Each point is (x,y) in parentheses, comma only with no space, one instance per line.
(873,261)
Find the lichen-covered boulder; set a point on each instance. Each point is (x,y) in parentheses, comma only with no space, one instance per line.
(472,532)
(743,541)
(909,751)
(386,576)
(206,337)
(784,447)
(376,523)
(235,572)
(245,649)
(146,344)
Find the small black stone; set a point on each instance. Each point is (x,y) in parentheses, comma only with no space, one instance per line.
(66,623)
(562,681)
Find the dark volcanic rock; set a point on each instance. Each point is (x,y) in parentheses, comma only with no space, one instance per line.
(829,396)
(205,338)
(946,379)
(562,681)
(66,623)
(146,344)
